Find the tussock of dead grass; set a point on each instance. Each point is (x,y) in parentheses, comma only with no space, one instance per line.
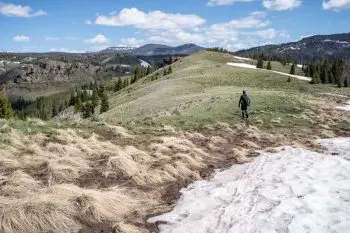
(240,154)
(39,189)
(41,213)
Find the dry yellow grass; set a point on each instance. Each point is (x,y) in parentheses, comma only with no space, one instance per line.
(42,186)
(61,181)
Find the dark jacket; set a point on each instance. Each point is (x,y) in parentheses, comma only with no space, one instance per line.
(244,101)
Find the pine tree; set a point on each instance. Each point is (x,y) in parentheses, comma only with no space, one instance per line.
(260,63)
(54,110)
(73,99)
(346,82)
(269,65)
(330,77)
(88,110)
(292,69)
(312,70)
(104,103)
(95,98)
(5,107)
(149,70)
(339,82)
(325,77)
(137,74)
(118,85)
(337,69)
(78,104)
(101,90)
(318,79)
(126,82)
(170,70)
(324,72)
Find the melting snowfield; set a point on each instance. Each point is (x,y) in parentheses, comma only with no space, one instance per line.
(293,191)
(144,63)
(249,66)
(345,107)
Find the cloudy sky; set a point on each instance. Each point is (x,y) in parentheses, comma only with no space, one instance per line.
(90,25)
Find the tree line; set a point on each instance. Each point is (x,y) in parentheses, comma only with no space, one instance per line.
(217,49)
(336,73)
(87,98)
(325,72)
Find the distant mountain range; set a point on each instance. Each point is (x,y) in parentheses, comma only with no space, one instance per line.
(156,49)
(309,48)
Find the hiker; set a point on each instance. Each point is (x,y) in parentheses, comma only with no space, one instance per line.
(244,102)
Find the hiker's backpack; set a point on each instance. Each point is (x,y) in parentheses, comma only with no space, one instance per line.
(245,100)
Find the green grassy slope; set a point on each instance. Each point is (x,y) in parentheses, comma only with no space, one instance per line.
(204,90)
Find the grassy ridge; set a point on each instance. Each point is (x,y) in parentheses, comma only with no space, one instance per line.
(204,90)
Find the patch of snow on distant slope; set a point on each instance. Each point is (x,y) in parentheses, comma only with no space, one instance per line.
(336,41)
(293,191)
(144,63)
(294,76)
(243,65)
(345,107)
(242,58)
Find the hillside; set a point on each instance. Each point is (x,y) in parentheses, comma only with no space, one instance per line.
(157,49)
(204,90)
(115,171)
(30,74)
(309,48)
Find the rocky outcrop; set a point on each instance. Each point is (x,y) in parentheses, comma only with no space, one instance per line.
(48,70)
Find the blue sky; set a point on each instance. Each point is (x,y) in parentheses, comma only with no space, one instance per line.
(77,25)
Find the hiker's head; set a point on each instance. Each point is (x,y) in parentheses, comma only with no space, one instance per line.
(244,92)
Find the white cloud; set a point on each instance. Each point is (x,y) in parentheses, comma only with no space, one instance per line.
(151,20)
(130,42)
(21,38)
(178,36)
(98,39)
(254,20)
(336,5)
(267,34)
(225,2)
(281,5)
(19,10)
(235,34)
(88,22)
(284,34)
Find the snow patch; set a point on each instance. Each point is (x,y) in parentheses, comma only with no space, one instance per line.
(345,107)
(144,63)
(294,76)
(243,65)
(242,58)
(294,191)
(336,41)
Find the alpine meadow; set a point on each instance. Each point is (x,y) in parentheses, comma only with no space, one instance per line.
(189,117)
